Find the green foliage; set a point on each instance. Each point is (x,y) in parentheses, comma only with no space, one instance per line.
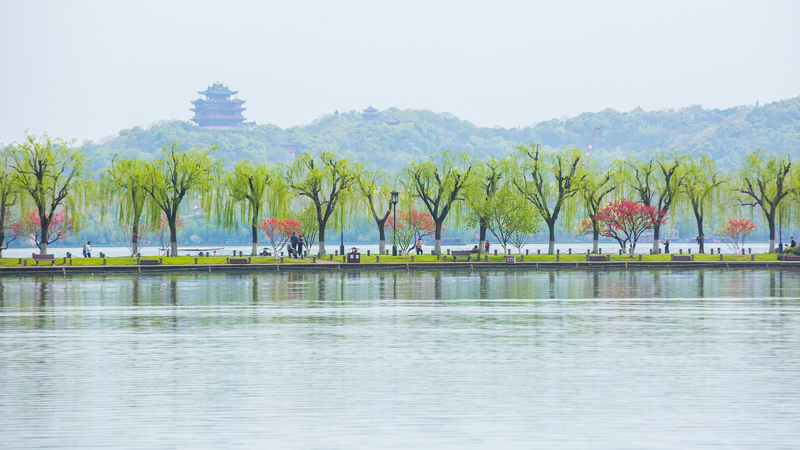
(655,181)
(375,188)
(701,188)
(9,196)
(54,175)
(549,181)
(766,182)
(172,177)
(325,181)
(438,183)
(245,191)
(597,185)
(121,186)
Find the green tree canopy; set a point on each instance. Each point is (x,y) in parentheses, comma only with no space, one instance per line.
(245,191)
(549,181)
(438,183)
(327,182)
(54,174)
(172,177)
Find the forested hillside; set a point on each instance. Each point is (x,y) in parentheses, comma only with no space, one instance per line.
(725,135)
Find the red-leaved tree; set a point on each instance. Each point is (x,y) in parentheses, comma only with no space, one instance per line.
(735,232)
(625,221)
(30,227)
(278,232)
(410,225)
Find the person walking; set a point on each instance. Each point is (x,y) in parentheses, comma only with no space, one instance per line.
(486,247)
(87,249)
(418,245)
(700,240)
(293,245)
(792,244)
(665,242)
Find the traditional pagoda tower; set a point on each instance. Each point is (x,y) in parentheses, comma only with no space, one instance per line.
(218,110)
(370,113)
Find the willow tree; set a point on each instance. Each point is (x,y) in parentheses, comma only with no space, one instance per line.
(375,189)
(245,191)
(53,173)
(656,182)
(9,195)
(597,186)
(175,175)
(439,183)
(701,187)
(766,181)
(121,186)
(327,182)
(549,181)
(481,195)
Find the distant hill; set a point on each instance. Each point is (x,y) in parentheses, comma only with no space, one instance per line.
(725,135)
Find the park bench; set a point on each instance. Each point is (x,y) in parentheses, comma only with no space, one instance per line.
(461,254)
(791,258)
(238,260)
(682,257)
(598,257)
(46,257)
(149,262)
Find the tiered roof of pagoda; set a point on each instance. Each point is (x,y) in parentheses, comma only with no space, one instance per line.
(218,110)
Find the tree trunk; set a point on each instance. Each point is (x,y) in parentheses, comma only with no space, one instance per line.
(595,237)
(633,248)
(656,234)
(702,236)
(321,239)
(481,238)
(382,233)
(135,237)
(437,243)
(46,230)
(254,249)
(551,228)
(173,236)
(771,225)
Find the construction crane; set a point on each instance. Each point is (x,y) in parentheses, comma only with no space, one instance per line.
(592,141)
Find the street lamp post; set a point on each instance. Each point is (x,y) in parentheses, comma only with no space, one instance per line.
(341,246)
(395,199)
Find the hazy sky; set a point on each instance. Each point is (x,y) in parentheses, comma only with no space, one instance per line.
(88,69)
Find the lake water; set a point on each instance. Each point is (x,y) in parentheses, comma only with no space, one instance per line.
(440,359)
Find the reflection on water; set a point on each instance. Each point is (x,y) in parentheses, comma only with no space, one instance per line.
(445,359)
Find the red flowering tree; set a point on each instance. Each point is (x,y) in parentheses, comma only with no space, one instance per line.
(735,232)
(278,232)
(625,221)
(30,227)
(410,225)
(161,231)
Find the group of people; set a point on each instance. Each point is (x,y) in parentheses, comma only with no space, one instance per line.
(87,249)
(296,244)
